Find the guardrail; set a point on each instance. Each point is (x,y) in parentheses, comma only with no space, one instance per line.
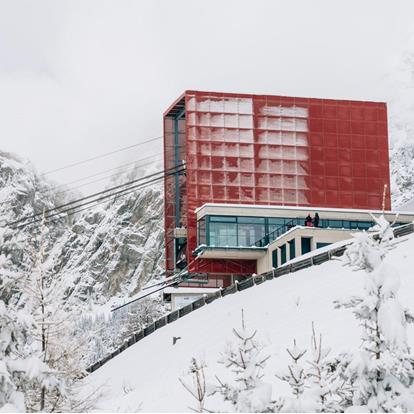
(237,287)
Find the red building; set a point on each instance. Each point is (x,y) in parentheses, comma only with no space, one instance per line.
(267,150)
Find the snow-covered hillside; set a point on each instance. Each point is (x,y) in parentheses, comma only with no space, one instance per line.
(146,375)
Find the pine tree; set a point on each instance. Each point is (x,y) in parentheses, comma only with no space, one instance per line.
(247,392)
(19,370)
(382,373)
(13,334)
(52,339)
(326,385)
(295,376)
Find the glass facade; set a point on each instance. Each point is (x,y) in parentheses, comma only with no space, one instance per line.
(232,231)
(270,150)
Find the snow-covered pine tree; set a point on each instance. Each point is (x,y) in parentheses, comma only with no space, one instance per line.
(247,392)
(325,384)
(14,325)
(52,339)
(295,376)
(382,372)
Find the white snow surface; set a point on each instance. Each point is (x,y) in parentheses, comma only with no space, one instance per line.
(146,375)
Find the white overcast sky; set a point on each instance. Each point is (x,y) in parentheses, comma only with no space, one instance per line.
(81,78)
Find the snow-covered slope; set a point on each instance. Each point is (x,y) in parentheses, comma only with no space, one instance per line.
(146,374)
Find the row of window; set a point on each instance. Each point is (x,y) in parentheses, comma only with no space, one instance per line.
(233,231)
(289,249)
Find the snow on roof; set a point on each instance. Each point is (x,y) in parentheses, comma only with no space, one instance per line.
(190,290)
(300,208)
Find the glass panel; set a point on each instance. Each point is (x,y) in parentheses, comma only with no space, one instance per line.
(257,220)
(335,224)
(202,232)
(227,219)
(223,234)
(249,234)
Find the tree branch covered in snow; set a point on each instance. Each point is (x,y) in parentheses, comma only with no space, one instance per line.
(381,373)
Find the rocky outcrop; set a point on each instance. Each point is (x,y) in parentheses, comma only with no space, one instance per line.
(110,250)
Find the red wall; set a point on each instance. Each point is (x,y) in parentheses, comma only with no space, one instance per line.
(272,150)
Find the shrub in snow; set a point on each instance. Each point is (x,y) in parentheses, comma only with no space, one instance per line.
(382,373)
(197,387)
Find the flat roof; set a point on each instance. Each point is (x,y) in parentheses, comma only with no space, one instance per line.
(187,290)
(179,104)
(299,98)
(229,252)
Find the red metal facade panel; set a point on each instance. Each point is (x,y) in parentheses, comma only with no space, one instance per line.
(272,150)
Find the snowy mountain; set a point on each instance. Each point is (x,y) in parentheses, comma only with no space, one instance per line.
(108,251)
(401,125)
(147,374)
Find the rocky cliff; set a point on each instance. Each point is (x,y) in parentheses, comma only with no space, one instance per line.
(108,251)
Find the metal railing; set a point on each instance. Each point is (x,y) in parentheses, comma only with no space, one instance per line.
(273,235)
(237,287)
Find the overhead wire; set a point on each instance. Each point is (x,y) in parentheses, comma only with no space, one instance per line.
(101,156)
(65,185)
(106,177)
(86,197)
(131,186)
(109,198)
(173,280)
(73,189)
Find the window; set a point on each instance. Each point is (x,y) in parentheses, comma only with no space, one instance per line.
(319,245)
(292,247)
(335,224)
(360,225)
(278,226)
(226,219)
(235,231)
(283,254)
(250,230)
(251,220)
(274,258)
(202,231)
(305,245)
(223,234)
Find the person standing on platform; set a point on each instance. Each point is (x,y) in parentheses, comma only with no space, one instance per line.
(316,220)
(308,220)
